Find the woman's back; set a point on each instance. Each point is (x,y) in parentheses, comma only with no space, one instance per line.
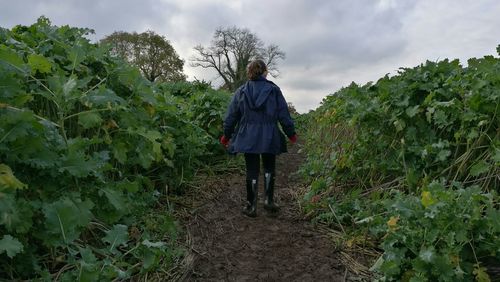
(256,108)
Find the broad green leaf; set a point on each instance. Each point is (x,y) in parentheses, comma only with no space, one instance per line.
(420,266)
(89,119)
(473,134)
(399,124)
(412,178)
(10,56)
(427,199)
(11,90)
(157,151)
(150,244)
(493,215)
(115,198)
(461,236)
(8,180)
(78,164)
(89,272)
(10,245)
(415,277)
(117,236)
(65,218)
(102,97)
(476,101)
(412,111)
(84,210)
(43,159)
(76,55)
(89,266)
(427,254)
(480,273)
(69,86)
(15,214)
(392,223)
(440,118)
(149,259)
(479,168)
(21,99)
(151,135)
(443,267)
(443,155)
(120,152)
(390,267)
(144,156)
(39,63)
(404,102)
(87,255)
(496,155)
(129,186)
(428,114)
(403,208)
(8,211)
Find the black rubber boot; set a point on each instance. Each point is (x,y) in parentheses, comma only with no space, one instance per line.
(252,189)
(269,203)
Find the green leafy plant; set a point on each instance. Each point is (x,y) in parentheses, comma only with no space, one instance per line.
(87,147)
(391,160)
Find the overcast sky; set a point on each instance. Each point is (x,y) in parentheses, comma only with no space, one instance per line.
(328,43)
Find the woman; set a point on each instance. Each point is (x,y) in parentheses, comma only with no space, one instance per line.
(251,127)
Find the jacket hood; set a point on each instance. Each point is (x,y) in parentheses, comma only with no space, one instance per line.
(257,92)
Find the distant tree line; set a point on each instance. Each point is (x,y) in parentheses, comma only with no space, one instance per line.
(229,52)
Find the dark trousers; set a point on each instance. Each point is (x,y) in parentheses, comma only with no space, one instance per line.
(252,162)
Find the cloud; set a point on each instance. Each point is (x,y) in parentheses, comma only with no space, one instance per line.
(458,29)
(346,32)
(320,39)
(104,17)
(328,43)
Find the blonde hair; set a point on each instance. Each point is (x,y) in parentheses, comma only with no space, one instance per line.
(255,69)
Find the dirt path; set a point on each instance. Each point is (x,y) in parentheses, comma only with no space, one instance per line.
(229,246)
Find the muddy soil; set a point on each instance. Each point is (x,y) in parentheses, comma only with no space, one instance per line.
(228,246)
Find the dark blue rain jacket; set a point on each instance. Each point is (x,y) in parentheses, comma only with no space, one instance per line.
(252,119)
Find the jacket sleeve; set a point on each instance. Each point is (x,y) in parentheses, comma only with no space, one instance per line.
(284,117)
(233,116)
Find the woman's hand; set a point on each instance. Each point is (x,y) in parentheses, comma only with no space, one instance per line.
(293,138)
(224,141)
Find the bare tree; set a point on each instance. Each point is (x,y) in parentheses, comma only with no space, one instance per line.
(230,52)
